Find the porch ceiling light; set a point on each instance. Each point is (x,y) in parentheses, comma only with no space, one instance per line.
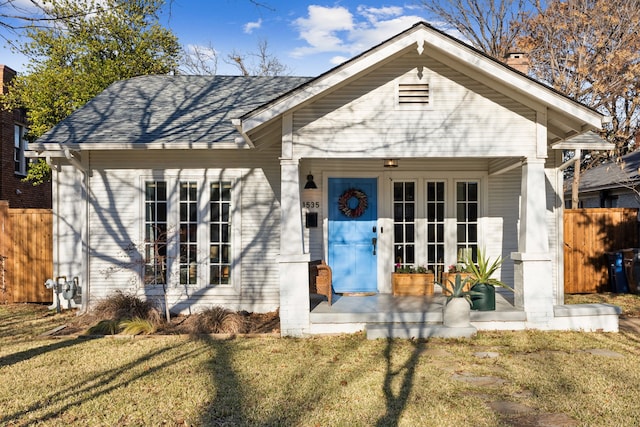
(310,185)
(390,163)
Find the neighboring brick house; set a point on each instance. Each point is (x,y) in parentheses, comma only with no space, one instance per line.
(13,126)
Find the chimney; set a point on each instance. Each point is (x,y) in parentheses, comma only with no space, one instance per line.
(519,61)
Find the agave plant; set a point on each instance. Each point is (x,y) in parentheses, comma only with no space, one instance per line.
(484,269)
(456,290)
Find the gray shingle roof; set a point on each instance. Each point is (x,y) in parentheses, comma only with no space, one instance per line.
(612,174)
(168,109)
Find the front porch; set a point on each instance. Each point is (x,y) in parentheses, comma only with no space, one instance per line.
(384,315)
(388,316)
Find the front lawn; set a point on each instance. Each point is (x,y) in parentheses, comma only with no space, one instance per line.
(496,378)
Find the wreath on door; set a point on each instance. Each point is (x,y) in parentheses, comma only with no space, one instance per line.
(345,199)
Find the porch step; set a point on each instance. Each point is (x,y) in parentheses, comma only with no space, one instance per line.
(416,330)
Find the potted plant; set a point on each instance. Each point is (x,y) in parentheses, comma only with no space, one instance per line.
(458,268)
(456,312)
(483,285)
(409,280)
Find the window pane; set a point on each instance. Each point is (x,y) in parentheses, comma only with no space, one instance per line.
(473,191)
(440,212)
(409,212)
(411,257)
(397,191)
(410,233)
(410,192)
(461,191)
(398,233)
(462,233)
(473,212)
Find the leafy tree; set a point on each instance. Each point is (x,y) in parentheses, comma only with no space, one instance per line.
(486,24)
(87,46)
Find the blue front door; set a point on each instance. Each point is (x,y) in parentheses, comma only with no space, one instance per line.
(353,216)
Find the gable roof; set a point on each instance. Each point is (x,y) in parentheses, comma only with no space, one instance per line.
(624,173)
(166,110)
(565,116)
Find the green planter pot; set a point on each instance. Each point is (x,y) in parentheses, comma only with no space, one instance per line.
(483,297)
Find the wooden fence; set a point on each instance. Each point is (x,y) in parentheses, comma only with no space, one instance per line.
(26,250)
(588,235)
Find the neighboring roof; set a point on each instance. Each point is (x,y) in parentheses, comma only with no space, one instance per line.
(167,110)
(623,173)
(566,117)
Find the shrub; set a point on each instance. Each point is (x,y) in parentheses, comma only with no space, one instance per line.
(137,326)
(122,306)
(105,327)
(217,320)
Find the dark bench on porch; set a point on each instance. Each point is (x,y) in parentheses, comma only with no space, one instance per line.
(320,279)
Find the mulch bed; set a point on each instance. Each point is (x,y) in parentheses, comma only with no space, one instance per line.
(253,323)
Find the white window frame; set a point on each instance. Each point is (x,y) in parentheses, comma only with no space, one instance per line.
(173,180)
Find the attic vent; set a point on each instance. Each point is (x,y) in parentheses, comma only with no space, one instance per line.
(413,94)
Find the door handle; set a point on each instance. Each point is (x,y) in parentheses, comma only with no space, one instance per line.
(374,242)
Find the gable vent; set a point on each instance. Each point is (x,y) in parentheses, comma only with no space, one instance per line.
(413,93)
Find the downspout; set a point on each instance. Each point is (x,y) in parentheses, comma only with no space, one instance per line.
(85,286)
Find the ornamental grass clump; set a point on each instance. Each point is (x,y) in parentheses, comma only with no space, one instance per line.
(121,306)
(137,326)
(217,320)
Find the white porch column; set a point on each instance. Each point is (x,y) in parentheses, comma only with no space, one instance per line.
(532,262)
(293,262)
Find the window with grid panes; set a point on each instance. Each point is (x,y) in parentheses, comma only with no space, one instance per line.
(404,207)
(467,203)
(220,233)
(188,233)
(435,211)
(155,232)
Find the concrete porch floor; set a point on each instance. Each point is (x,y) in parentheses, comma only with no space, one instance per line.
(385,315)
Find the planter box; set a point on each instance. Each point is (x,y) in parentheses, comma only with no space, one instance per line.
(419,284)
(451,277)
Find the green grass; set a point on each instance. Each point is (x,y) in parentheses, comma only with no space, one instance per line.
(328,381)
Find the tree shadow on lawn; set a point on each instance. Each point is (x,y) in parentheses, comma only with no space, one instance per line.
(83,390)
(306,389)
(21,356)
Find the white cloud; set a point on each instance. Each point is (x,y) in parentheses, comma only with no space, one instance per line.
(250,26)
(321,29)
(336,29)
(337,60)
(373,14)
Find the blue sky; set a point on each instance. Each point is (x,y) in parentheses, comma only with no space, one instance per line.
(309,38)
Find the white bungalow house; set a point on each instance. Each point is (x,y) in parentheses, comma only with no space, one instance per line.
(212,175)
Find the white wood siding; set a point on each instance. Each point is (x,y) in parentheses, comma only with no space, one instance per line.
(117,215)
(465,118)
(69,223)
(503,216)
